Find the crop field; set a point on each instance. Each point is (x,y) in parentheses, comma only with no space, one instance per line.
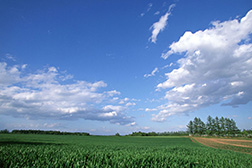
(237,145)
(20,150)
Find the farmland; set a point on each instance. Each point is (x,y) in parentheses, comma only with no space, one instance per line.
(19,150)
(238,145)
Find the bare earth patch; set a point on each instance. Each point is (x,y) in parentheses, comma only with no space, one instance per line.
(237,145)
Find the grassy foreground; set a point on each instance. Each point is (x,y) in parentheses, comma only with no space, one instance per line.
(17,150)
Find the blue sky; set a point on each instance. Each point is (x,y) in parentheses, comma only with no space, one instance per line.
(121,66)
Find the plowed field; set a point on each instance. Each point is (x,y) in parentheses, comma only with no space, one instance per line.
(237,145)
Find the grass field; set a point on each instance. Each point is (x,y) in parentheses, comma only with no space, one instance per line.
(18,150)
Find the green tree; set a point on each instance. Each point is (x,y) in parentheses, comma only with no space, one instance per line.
(5,131)
(244,132)
(228,126)
(217,126)
(222,126)
(201,127)
(190,127)
(209,125)
(234,128)
(196,125)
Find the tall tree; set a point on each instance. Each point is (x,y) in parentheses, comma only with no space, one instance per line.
(213,126)
(209,125)
(228,126)
(196,125)
(222,126)
(201,127)
(234,128)
(190,127)
(217,126)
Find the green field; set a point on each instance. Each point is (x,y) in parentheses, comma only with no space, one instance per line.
(19,150)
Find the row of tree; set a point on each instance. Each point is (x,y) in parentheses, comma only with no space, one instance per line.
(44,132)
(214,126)
(176,133)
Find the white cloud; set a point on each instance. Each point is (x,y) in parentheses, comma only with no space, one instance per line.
(166,66)
(152,73)
(122,101)
(217,67)
(42,94)
(131,124)
(130,104)
(113,108)
(113,92)
(109,114)
(159,26)
(52,69)
(9,75)
(250,118)
(150,110)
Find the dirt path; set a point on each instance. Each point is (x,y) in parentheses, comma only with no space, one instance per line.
(230,142)
(237,145)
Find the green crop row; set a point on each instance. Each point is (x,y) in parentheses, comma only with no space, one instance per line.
(116,152)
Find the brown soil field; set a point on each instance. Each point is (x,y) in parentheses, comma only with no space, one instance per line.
(244,146)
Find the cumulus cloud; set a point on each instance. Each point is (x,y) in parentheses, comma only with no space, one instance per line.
(159,26)
(43,94)
(8,75)
(217,67)
(155,70)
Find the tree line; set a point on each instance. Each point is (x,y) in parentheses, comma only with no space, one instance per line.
(44,132)
(172,133)
(214,126)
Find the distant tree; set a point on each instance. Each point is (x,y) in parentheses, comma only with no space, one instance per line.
(117,134)
(5,131)
(48,132)
(176,133)
(213,126)
(152,134)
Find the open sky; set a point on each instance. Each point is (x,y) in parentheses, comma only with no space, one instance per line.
(108,66)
